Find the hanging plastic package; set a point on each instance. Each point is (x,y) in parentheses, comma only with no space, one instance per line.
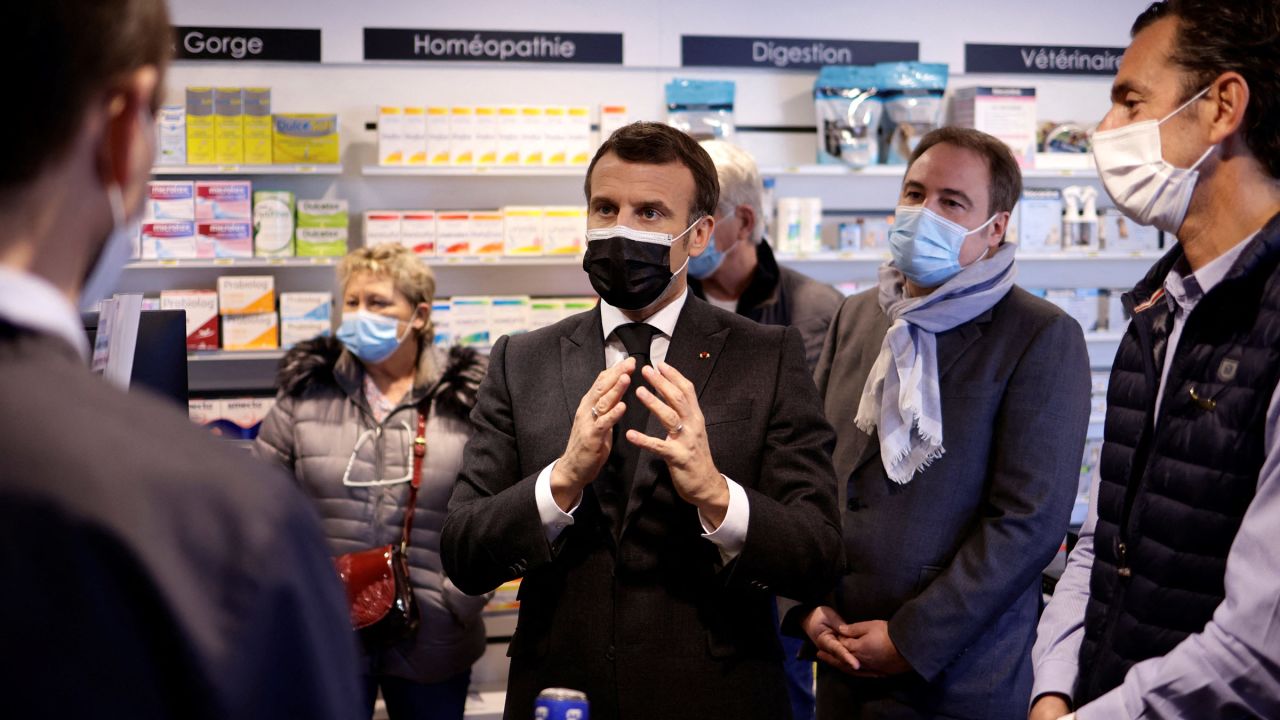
(913,105)
(701,108)
(848,107)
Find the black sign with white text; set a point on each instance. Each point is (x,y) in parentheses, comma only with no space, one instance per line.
(246,44)
(492,46)
(1042,59)
(789,53)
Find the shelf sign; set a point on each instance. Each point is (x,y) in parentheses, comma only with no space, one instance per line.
(789,53)
(1042,59)
(246,44)
(492,46)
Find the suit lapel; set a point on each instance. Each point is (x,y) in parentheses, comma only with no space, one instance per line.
(581,359)
(694,350)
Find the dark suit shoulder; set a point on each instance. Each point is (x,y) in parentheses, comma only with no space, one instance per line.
(129,463)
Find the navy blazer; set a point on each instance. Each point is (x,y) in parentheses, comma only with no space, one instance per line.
(953,558)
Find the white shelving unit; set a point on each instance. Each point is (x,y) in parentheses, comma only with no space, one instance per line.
(476,171)
(199,170)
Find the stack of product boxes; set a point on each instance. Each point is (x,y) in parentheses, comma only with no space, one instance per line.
(322,228)
(512,231)
(304,315)
(503,136)
(1044,222)
(231,418)
(477,321)
(234,126)
(169,221)
(248,307)
(224,219)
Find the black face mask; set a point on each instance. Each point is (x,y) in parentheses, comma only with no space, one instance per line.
(627,273)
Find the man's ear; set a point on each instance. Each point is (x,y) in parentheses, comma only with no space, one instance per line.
(127,147)
(749,220)
(700,235)
(998,228)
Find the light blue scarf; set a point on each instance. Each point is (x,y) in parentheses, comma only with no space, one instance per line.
(901,396)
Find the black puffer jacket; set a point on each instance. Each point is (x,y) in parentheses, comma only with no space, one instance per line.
(320,414)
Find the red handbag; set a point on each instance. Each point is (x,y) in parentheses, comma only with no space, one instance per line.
(379,595)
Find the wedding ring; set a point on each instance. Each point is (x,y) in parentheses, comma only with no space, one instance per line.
(675,431)
(595,414)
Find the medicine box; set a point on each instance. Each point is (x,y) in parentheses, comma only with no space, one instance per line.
(246,294)
(202,139)
(171,135)
(224,200)
(228,124)
(168,240)
(381,226)
(580,148)
(1040,220)
(509,135)
(453,233)
(564,230)
(441,321)
(259,331)
(532,135)
(273,223)
(522,230)
(225,238)
(391,132)
(257,126)
(469,318)
(320,241)
(1083,304)
(414,146)
(323,214)
(462,136)
(438,139)
(1119,234)
(486,136)
(205,413)
(1008,113)
(556,135)
(418,231)
(242,417)
(508,315)
(305,138)
(201,307)
(170,200)
(612,117)
(486,233)
(295,331)
(544,312)
(306,306)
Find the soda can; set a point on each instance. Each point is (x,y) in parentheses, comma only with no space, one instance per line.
(560,704)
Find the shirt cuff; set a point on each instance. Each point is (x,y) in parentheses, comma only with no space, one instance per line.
(1108,706)
(554,520)
(1054,677)
(731,536)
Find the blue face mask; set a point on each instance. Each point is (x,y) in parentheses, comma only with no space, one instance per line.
(706,264)
(372,337)
(926,246)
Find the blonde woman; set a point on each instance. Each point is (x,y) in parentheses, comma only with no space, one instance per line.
(344,423)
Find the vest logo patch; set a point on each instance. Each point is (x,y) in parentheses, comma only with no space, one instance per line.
(1227,370)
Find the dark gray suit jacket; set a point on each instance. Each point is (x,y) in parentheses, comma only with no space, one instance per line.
(652,625)
(953,559)
(148,572)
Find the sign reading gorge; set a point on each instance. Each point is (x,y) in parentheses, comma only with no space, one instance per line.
(1042,59)
(789,53)
(246,44)
(492,46)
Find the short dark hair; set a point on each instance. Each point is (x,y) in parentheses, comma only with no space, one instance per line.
(1006,176)
(658,144)
(62,53)
(1240,36)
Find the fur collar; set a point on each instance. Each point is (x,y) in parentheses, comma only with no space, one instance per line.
(313,363)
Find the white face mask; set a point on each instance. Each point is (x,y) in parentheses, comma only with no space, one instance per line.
(1141,183)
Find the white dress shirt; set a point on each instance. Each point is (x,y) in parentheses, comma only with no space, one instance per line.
(732,533)
(34,303)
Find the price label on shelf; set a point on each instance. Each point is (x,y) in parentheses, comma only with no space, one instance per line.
(224,261)
(275,261)
(228,168)
(321,261)
(167,263)
(308,169)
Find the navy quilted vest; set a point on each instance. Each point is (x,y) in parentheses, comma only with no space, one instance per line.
(1173,493)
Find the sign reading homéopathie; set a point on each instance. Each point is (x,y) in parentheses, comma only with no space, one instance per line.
(789,53)
(246,44)
(1042,59)
(492,46)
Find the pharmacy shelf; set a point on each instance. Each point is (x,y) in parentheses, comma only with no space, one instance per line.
(304,262)
(1102,348)
(281,169)
(524,262)
(1035,270)
(897,171)
(475,171)
(234,355)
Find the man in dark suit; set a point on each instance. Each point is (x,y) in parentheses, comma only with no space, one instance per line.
(147,572)
(960,403)
(655,469)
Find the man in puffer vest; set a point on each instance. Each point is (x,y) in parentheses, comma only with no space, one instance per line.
(1170,604)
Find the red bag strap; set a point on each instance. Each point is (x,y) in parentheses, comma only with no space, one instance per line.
(419,452)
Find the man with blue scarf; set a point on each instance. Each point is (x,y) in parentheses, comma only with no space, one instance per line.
(960,402)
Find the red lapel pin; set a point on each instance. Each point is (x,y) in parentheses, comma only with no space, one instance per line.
(704,355)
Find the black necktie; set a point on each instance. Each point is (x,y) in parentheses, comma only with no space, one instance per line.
(636,338)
